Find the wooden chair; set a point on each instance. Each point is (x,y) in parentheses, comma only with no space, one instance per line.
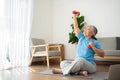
(49,51)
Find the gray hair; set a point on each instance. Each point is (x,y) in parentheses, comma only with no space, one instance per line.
(94,30)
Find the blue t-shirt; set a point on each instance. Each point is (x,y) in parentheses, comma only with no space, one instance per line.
(82,49)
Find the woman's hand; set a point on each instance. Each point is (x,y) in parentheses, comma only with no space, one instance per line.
(99,52)
(91,44)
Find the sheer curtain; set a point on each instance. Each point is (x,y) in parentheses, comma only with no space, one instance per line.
(18,19)
(4,37)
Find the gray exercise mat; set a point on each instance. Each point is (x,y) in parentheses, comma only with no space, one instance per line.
(97,75)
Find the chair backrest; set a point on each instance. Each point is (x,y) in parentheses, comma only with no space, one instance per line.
(114,72)
(37,41)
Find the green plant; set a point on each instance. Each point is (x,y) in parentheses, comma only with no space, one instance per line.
(72,38)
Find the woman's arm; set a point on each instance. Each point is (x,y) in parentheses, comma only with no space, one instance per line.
(99,52)
(76,28)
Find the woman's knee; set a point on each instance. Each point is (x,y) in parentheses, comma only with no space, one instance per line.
(62,62)
(92,69)
(65,63)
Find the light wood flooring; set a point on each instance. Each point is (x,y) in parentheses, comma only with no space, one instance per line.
(31,73)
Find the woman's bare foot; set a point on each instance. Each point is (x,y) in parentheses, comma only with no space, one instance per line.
(85,73)
(56,71)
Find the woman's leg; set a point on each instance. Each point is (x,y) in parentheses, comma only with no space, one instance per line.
(83,66)
(56,71)
(63,65)
(79,64)
(87,66)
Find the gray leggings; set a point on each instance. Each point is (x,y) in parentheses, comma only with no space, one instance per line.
(77,65)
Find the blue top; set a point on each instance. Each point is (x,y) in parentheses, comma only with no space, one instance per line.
(83,51)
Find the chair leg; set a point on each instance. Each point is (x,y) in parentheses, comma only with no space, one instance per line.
(48,64)
(60,59)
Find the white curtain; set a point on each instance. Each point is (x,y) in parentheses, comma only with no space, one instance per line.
(4,37)
(18,20)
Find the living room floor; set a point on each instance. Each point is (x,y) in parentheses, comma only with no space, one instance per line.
(31,73)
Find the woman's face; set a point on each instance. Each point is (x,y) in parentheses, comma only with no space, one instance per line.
(88,32)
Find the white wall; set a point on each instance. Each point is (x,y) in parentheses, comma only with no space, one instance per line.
(104,14)
(42,20)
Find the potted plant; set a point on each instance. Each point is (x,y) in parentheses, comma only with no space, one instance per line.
(80,19)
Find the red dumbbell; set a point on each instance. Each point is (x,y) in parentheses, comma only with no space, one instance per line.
(89,46)
(75,12)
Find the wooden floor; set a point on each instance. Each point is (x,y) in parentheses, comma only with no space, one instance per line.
(31,73)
